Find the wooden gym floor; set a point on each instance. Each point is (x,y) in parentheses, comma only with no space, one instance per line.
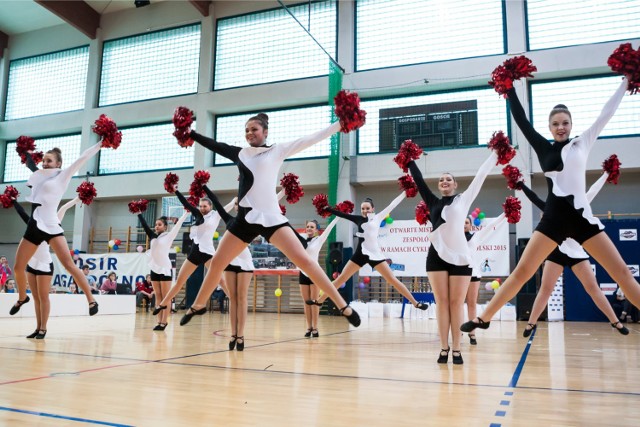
(115,371)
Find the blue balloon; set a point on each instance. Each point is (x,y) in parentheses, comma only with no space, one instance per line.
(76,251)
(383,223)
(115,247)
(343,285)
(477,221)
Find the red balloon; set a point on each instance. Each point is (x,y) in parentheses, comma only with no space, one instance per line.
(118,242)
(335,275)
(71,252)
(366,280)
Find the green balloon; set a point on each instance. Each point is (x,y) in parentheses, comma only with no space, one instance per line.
(389,220)
(481,215)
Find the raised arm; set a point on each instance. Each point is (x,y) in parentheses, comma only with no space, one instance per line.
(25,217)
(225,150)
(176,228)
(188,206)
(425,192)
(280,194)
(533,197)
(64,208)
(80,161)
(471,193)
(290,148)
(222,210)
(386,211)
(539,143)
(30,163)
(327,231)
(357,219)
(609,109)
(596,187)
(150,233)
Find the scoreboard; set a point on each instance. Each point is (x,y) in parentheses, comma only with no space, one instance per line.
(444,125)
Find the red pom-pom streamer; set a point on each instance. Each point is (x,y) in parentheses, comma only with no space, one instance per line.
(138,206)
(200,179)
(408,151)
(512,208)
(182,120)
(612,167)
(513,175)
(26,144)
(292,188)
(86,192)
(194,200)
(408,185)
(626,61)
(422,213)
(106,128)
(6,201)
(283,209)
(321,203)
(346,206)
(512,69)
(9,196)
(502,146)
(170,181)
(348,111)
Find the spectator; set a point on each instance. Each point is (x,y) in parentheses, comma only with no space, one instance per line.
(92,282)
(219,296)
(109,285)
(10,286)
(5,271)
(73,289)
(629,311)
(144,291)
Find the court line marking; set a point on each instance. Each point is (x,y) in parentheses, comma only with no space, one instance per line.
(63,417)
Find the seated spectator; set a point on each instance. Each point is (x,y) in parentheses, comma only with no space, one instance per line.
(629,311)
(144,291)
(109,285)
(92,282)
(219,296)
(73,289)
(10,286)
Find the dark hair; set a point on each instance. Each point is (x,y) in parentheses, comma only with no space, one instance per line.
(57,153)
(86,266)
(164,220)
(313,221)
(560,108)
(262,118)
(369,200)
(112,272)
(208,200)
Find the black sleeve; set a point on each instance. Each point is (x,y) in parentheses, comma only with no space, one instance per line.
(425,192)
(218,206)
(199,219)
(225,150)
(30,163)
(303,242)
(25,217)
(533,197)
(147,230)
(537,141)
(356,219)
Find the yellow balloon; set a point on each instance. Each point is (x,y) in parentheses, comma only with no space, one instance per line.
(278,292)
(495,284)
(216,235)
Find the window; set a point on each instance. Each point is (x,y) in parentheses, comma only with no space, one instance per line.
(284,126)
(271,46)
(47,84)
(154,65)
(491,114)
(68,144)
(585,99)
(146,148)
(401,32)
(556,23)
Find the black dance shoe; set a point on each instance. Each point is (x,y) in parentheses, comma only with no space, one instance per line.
(444,356)
(313,302)
(457,360)
(353,318)
(190,313)
(93,308)
(623,330)
(232,343)
(16,307)
(306,335)
(240,344)
(471,325)
(315,333)
(422,306)
(160,327)
(472,339)
(33,334)
(529,330)
(157,309)
(41,334)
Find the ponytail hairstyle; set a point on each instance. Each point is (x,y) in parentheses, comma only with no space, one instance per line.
(57,153)
(261,118)
(369,200)
(560,108)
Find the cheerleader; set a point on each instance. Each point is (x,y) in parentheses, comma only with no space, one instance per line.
(258,212)
(569,254)
(368,250)
(567,212)
(40,272)
(47,188)
(206,222)
(159,262)
(449,257)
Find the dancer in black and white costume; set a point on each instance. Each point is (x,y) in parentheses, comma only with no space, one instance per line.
(567,211)
(48,185)
(40,273)
(202,249)
(161,272)
(368,250)
(569,254)
(449,257)
(259,212)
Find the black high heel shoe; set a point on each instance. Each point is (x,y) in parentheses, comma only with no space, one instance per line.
(528,331)
(315,333)
(157,309)
(471,325)
(160,327)
(232,343)
(306,335)
(190,313)
(457,360)
(240,344)
(623,330)
(93,308)
(422,306)
(444,355)
(313,302)
(353,318)
(16,308)
(41,334)
(33,334)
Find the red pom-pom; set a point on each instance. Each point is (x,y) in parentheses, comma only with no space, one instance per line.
(6,201)
(513,175)
(200,179)
(138,206)
(512,208)
(26,144)
(11,192)
(321,203)
(348,111)
(612,167)
(106,128)
(408,185)
(170,181)
(422,213)
(346,206)
(502,146)
(512,69)
(292,189)
(182,120)
(86,192)
(9,196)
(408,151)
(283,209)
(626,61)
(194,200)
